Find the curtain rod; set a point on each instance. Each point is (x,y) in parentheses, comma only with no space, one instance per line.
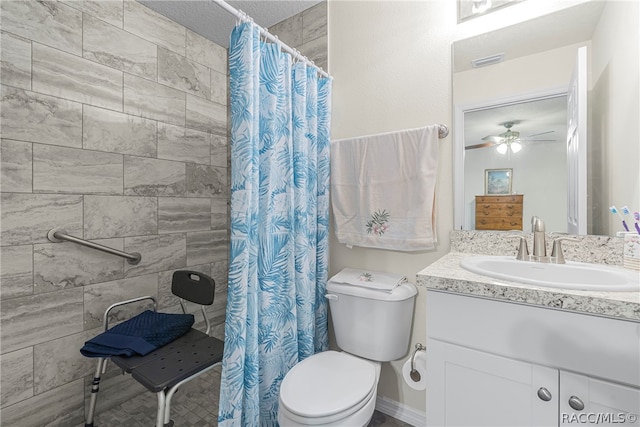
(265,33)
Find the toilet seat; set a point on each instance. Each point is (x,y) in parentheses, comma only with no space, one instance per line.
(327,387)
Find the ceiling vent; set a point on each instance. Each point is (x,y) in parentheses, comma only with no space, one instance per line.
(487,60)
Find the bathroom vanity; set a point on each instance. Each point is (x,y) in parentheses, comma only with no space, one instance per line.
(507,353)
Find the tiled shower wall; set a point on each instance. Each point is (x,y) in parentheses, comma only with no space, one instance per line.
(306,32)
(114,127)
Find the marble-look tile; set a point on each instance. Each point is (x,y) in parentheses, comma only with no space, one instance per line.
(153,100)
(62,406)
(16,376)
(220,273)
(59,362)
(219,85)
(153,177)
(219,151)
(183,214)
(110,11)
(206,52)
(15,59)
(106,130)
(217,312)
(150,25)
(314,22)
(219,88)
(165,296)
(49,22)
(68,76)
(16,275)
(98,297)
(115,390)
(72,170)
(116,216)
(178,72)
(219,213)
(289,30)
(66,265)
(206,181)
(30,116)
(35,319)
(159,253)
(207,246)
(119,49)
(27,218)
(183,144)
(206,116)
(16,166)
(316,50)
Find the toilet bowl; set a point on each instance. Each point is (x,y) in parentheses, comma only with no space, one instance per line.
(329,389)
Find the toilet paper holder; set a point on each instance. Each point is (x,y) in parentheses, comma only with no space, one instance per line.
(414,374)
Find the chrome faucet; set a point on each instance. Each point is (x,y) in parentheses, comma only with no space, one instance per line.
(539,240)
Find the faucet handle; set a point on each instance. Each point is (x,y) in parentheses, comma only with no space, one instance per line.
(556,251)
(523,249)
(537,224)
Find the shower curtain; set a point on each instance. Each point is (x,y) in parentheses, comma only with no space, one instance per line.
(276,310)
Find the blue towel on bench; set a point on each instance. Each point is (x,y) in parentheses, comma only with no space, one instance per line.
(139,335)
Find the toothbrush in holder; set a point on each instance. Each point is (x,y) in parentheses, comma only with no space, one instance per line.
(627,212)
(614,210)
(636,216)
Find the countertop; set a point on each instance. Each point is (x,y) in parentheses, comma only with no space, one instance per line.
(447,275)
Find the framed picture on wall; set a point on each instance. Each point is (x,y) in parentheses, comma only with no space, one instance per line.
(497,181)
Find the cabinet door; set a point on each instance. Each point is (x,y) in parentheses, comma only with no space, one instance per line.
(473,388)
(588,401)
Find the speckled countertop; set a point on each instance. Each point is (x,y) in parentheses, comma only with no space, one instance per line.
(447,275)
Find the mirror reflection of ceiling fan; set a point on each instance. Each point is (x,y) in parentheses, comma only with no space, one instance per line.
(509,140)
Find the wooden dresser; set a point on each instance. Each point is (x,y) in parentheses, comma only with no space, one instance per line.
(499,212)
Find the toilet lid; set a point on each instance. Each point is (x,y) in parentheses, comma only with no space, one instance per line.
(327,383)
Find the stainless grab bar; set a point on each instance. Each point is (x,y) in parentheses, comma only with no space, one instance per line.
(57,235)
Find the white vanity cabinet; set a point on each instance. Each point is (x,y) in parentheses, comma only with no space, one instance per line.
(495,363)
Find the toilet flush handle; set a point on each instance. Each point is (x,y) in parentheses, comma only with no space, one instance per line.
(331,297)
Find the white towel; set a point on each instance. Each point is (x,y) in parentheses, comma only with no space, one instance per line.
(383,188)
(369,279)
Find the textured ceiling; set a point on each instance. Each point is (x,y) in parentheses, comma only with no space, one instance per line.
(209,20)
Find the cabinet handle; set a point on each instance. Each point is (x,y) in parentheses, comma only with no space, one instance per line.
(544,394)
(576,403)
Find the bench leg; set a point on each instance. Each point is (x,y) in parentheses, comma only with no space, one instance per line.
(161,405)
(95,387)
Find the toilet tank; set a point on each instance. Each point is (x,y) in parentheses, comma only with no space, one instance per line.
(370,323)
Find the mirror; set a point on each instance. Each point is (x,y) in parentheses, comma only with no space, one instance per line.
(527,137)
(534,61)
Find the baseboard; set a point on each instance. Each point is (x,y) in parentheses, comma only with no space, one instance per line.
(401,412)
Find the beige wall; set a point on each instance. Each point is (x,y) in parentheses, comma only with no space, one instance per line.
(391,64)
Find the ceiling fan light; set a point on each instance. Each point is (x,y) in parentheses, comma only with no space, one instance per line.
(502,148)
(516,146)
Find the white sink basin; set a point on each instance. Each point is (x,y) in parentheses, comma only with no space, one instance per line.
(572,275)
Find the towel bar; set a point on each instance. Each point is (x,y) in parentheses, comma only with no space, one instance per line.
(57,235)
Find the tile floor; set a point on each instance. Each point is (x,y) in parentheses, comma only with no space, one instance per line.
(194,405)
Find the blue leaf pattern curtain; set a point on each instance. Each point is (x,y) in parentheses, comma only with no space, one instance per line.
(276,310)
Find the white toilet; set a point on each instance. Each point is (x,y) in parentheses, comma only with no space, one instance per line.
(339,388)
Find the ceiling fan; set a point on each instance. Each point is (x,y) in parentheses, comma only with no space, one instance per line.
(508,140)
